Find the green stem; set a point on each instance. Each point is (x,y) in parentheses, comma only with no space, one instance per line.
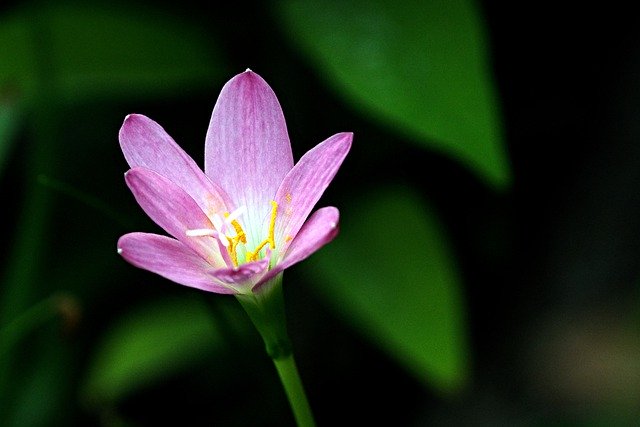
(292,384)
(266,310)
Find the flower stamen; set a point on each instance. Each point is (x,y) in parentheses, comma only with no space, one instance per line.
(240,234)
(270,240)
(230,234)
(272,224)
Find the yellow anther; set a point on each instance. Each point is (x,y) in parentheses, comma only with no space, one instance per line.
(233,252)
(270,240)
(241,236)
(288,239)
(272,224)
(239,230)
(287,197)
(253,256)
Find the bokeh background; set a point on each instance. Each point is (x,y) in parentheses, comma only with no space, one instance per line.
(488,263)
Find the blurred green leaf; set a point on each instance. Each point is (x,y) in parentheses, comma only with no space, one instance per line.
(421,66)
(391,273)
(151,343)
(9,119)
(36,323)
(44,386)
(89,200)
(31,319)
(114,51)
(17,54)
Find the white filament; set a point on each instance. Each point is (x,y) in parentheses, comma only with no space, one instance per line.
(223,229)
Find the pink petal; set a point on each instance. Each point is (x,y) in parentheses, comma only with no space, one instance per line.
(320,229)
(170,259)
(241,274)
(173,209)
(145,143)
(305,183)
(247,151)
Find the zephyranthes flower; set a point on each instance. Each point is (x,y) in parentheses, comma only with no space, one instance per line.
(241,222)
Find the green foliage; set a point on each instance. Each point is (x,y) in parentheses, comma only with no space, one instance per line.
(44,390)
(419,66)
(9,119)
(85,51)
(391,273)
(150,344)
(58,54)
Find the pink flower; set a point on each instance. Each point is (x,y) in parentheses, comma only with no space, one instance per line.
(241,222)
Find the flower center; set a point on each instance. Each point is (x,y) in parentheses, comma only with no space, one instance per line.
(228,231)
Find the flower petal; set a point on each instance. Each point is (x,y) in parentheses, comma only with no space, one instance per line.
(304,184)
(145,143)
(170,259)
(242,274)
(320,229)
(247,150)
(173,209)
